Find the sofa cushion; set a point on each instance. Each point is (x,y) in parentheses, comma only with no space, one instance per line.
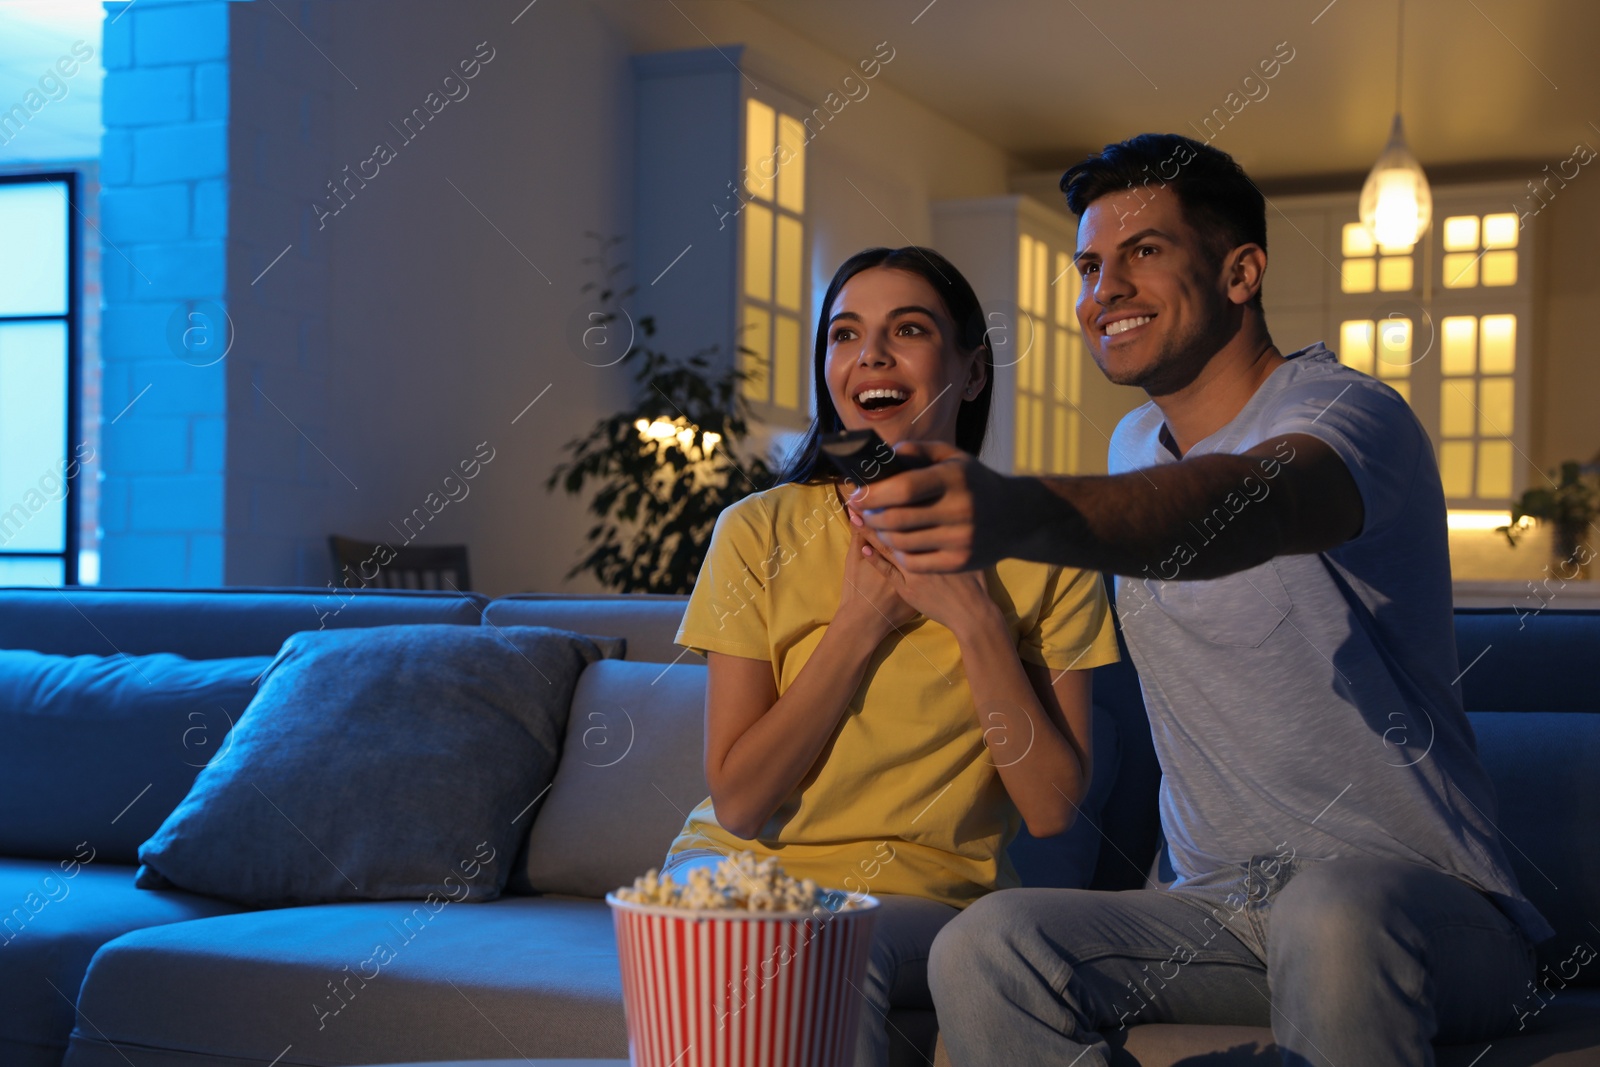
(1543,768)
(398,761)
(360,983)
(648,622)
(54,914)
(103,748)
(1068,861)
(632,767)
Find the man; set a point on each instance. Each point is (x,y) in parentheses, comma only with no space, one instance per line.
(1278,528)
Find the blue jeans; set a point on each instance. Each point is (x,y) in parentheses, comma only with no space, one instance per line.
(1353,962)
(897,969)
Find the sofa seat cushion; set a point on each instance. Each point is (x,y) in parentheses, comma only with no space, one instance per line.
(53,916)
(357,983)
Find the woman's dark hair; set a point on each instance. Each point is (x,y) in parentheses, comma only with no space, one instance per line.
(972,420)
(1219,199)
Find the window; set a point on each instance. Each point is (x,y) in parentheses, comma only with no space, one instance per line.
(1050,361)
(773,278)
(1368,266)
(1477,408)
(1381,348)
(1479,250)
(38,331)
(1453,355)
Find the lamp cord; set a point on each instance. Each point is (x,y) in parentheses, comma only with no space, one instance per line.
(1399,55)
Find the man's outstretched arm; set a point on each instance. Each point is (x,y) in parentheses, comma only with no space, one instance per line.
(1202,517)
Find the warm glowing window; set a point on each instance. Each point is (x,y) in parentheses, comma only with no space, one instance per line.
(774,258)
(1477,405)
(1479,250)
(1049,368)
(1370,267)
(1381,348)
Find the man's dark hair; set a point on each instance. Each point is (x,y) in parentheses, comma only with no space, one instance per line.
(1219,199)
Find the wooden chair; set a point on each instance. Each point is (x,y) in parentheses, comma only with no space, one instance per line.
(413,566)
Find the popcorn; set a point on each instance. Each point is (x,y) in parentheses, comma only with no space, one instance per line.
(739,882)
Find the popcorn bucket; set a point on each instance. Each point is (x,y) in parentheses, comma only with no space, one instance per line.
(737,988)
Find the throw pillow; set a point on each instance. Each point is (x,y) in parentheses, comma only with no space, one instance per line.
(631,769)
(379,763)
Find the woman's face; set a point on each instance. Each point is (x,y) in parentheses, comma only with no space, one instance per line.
(893,362)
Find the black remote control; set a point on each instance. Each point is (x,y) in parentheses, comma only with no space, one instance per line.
(863,457)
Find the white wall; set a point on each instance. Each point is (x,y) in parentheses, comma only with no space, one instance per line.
(432,332)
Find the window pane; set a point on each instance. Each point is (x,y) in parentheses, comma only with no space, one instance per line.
(1499,268)
(1058,459)
(786,362)
(1495,416)
(1456,414)
(1394,348)
(33,248)
(791,261)
(1025,273)
(1065,297)
(1499,344)
(1355,345)
(753,356)
(1074,463)
(760,141)
(791,165)
(1460,270)
(1062,390)
(1458,347)
(1461,233)
(1036,440)
(1394,274)
(1020,462)
(1403,387)
(1041,278)
(757,252)
(33,436)
(1500,231)
(1455,468)
(1358,276)
(27,571)
(1357,240)
(1074,382)
(1494,469)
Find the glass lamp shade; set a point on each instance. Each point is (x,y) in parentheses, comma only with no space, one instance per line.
(1396,203)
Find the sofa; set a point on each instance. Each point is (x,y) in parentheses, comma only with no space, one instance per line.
(103,974)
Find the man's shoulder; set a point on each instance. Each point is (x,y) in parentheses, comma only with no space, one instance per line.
(1137,433)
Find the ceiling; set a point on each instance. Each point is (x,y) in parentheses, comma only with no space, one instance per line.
(1485,80)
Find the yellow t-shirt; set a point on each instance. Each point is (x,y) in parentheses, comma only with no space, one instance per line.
(905,797)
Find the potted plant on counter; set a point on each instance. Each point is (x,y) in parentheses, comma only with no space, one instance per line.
(1570,504)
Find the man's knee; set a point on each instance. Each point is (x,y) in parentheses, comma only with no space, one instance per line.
(989,927)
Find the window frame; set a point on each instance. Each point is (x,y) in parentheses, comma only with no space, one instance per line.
(72,320)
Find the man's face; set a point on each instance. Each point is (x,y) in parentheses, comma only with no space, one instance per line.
(1154,305)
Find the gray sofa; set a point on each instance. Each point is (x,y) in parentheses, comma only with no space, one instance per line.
(108,975)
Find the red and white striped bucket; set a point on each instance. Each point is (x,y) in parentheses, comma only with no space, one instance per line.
(741,988)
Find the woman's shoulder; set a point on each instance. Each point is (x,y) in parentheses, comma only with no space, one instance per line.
(772,509)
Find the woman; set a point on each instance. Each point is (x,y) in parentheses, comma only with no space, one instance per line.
(879,731)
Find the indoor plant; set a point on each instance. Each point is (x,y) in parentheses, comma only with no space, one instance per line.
(662,470)
(1570,503)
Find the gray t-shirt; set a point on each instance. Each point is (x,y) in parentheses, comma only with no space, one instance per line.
(1284,716)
